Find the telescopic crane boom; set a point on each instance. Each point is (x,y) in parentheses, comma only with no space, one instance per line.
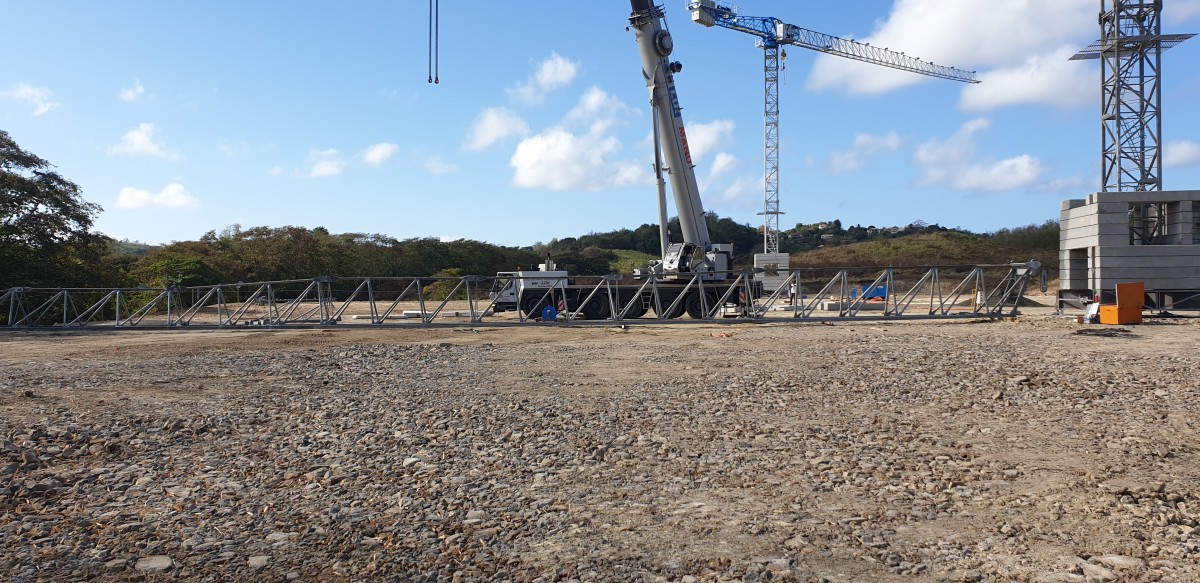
(772,33)
(696,253)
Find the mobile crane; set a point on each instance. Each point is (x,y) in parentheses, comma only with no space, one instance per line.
(693,275)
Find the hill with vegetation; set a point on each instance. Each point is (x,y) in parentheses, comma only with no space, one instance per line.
(949,247)
(280,253)
(47,240)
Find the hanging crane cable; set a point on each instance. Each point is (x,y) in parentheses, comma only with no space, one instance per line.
(433,41)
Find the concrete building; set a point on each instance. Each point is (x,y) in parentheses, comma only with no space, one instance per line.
(1117,237)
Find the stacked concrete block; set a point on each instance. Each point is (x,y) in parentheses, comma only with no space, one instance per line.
(776,270)
(1098,246)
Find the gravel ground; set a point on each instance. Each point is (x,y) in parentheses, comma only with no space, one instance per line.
(935,451)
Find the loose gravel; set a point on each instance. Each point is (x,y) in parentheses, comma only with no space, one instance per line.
(929,451)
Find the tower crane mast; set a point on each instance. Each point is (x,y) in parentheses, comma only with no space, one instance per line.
(772,34)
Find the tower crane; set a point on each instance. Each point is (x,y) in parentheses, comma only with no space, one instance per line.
(772,34)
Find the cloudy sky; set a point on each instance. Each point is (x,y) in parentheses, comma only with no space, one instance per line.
(184,118)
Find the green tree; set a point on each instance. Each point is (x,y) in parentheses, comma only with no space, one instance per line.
(45,224)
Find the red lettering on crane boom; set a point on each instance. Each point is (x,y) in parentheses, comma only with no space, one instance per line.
(687,154)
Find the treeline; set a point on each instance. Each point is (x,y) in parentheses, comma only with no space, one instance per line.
(746,240)
(46,240)
(273,254)
(281,253)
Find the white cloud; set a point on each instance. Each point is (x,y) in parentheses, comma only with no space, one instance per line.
(865,145)
(559,158)
(379,153)
(1181,153)
(727,183)
(275,171)
(1049,79)
(173,196)
(553,73)
(1178,11)
(323,163)
(723,163)
(1071,186)
(435,165)
(708,137)
(1007,40)
(747,189)
(134,93)
(598,109)
(492,125)
(951,163)
(38,97)
(140,142)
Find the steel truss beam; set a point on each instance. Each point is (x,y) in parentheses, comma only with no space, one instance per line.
(910,294)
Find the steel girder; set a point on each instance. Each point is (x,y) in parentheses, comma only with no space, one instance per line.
(822,295)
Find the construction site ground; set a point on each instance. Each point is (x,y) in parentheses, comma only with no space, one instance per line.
(1034,449)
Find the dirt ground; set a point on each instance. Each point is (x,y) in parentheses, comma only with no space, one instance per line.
(927,451)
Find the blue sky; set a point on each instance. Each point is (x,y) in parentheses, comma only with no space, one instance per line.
(180,118)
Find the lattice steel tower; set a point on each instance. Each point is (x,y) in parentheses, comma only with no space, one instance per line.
(1130,53)
(772,35)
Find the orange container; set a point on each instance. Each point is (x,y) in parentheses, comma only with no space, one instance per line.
(1129,305)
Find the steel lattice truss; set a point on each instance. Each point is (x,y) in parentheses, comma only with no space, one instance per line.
(820,295)
(1130,52)
(773,33)
(771,147)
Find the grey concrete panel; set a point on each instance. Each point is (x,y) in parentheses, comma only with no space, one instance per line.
(1142,197)
(1106,208)
(1166,266)
(1190,251)
(1151,283)
(1079,242)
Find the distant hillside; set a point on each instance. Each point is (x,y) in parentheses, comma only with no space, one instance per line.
(127,247)
(941,248)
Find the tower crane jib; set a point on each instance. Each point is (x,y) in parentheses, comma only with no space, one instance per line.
(773,32)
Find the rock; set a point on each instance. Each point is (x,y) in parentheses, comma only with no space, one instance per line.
(258,561)
(1060,578)
(1093,572)
(795,543)
(281,536)
(1120,562)
(155,564)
